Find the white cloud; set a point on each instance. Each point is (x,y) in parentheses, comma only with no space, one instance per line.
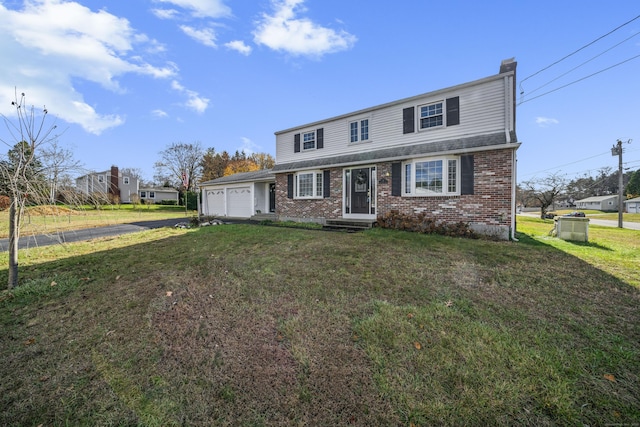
(194,100)
(284,31)
(165,13)
(202,8)
(240,46)
(48,46)
(206,36)
(159,114)
(248,146)
(544,122)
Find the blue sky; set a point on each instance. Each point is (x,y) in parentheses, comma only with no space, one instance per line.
(125,79)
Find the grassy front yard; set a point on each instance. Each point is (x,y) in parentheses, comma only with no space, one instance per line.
(254,325)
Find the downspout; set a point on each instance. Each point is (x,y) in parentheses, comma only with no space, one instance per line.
(514,161)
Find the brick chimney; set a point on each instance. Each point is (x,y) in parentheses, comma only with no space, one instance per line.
(114,189)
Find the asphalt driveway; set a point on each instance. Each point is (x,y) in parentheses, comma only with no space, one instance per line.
(86,234)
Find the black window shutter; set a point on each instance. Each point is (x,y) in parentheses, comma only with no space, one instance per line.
(320,138)
(290,186)
(466,164)
(396,179)
(408,119)
(326,184)
(296,143)
(453,111)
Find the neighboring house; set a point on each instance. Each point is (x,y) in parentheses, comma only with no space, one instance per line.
(158,194)
(599,203)
(632,205)
(108,184)
(450,154)
(241,195)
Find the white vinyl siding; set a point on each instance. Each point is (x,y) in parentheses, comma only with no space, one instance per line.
(484,108)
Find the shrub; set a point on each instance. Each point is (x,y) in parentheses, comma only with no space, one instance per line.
(168,202)
(4,203)
(421,223)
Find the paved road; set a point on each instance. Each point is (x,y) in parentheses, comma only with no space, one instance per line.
(87,234)
(601,222)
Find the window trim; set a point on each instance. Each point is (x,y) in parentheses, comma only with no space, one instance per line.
(410,167)
(358,129)
(441,114)
(303,142)
(125,180)
(317,184)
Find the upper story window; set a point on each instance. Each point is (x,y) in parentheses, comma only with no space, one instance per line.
(431,115)
(359,130)
(309,185)
(100,178)
(432,177)
(125,180)
(309,140)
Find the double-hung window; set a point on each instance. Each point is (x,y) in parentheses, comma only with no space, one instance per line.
(432,177)
(431,115)
(309,140)
(359,130)
(308,185)
(125,180)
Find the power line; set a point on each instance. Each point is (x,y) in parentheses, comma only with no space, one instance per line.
(584,63)
(578,50)
(581,79)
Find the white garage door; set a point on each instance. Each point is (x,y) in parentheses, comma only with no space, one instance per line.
(239,202)
(215,202)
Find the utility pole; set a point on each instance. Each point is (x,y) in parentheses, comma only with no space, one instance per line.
(616,150)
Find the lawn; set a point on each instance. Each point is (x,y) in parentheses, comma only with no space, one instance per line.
(256,325)
(51,219)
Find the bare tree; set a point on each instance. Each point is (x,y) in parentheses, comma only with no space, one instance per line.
(180,162)
(545,190)
(57,161)
(17,171)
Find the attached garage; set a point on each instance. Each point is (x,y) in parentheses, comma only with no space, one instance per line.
(242,195)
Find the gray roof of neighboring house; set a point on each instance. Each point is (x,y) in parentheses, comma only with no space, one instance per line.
(597,198)
(403,152)
(635,199)
(261,175)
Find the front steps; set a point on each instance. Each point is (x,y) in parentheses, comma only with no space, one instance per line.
(349,224)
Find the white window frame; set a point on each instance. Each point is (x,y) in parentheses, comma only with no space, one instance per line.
(143,194)
(317,184)
(125,180)
(101,178)
(439,112)
(448,162)
(358,126)
(152,194)
(305,142)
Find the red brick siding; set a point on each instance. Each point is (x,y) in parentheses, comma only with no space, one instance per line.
(490,204)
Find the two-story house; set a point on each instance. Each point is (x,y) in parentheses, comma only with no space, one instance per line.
(450,153)
(109,184)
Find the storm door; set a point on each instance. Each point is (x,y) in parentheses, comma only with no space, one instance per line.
(360,196)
